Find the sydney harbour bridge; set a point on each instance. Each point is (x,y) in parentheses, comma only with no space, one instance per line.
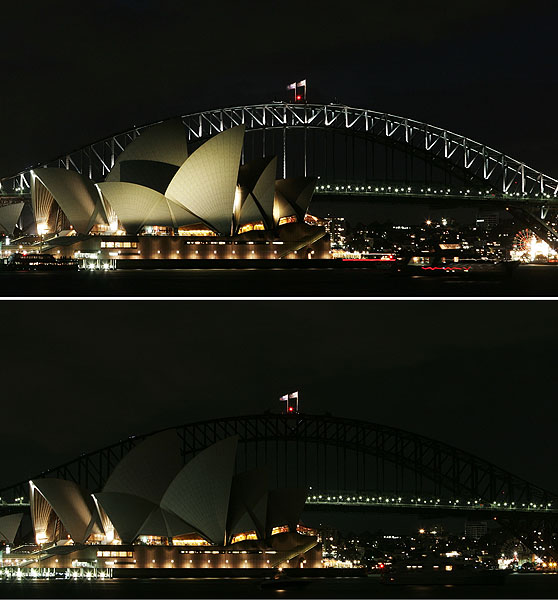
(356,153)
(347,465)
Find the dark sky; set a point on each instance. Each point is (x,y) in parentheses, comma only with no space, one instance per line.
(74,72)
(82,375)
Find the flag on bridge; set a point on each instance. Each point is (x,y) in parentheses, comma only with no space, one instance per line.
(292,402)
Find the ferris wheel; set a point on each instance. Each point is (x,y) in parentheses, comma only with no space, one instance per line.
(522,240)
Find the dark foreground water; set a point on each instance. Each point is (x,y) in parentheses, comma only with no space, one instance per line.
(516,586)
(528,280)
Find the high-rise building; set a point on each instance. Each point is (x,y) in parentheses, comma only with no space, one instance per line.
(336,228)
(475,529)
(487,219)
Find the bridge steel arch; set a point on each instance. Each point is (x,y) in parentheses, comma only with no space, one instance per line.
(498,172)
(328,453)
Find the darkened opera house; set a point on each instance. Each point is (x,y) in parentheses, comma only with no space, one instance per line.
(155,512)
(159,202)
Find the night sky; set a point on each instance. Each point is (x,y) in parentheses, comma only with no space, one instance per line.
(81,375)
(75,72)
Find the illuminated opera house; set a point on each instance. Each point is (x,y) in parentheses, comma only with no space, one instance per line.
(155,512)
(159,202)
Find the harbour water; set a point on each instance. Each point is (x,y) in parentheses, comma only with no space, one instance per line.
(526,281)
(516,586)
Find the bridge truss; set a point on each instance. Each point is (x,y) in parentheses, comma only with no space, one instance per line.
(291,131)
(383,465)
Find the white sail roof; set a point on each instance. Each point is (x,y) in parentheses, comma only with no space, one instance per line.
(247,491)
(73,505)
(137,206)
(292,197)
(164,523)
(9,214)
(257,181)
(284,507)
(9,525)
(76,195)
(164,142)
(282,208)
(262,192)
(206,183)
(148,469)
(126,512)
(200,493)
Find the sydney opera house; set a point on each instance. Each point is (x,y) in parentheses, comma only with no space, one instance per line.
(160,202)
(155,512)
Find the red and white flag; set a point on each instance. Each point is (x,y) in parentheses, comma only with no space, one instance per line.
(301,83)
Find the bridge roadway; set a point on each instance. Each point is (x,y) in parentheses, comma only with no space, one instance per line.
(409,193)
(399,191)
(363,501)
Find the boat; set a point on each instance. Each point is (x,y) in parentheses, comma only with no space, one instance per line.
(282,581)
(21,261)
(431,264)
(378,261)
(440,571)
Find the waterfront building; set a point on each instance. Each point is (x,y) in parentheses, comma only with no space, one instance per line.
(155,512)
(160,202)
